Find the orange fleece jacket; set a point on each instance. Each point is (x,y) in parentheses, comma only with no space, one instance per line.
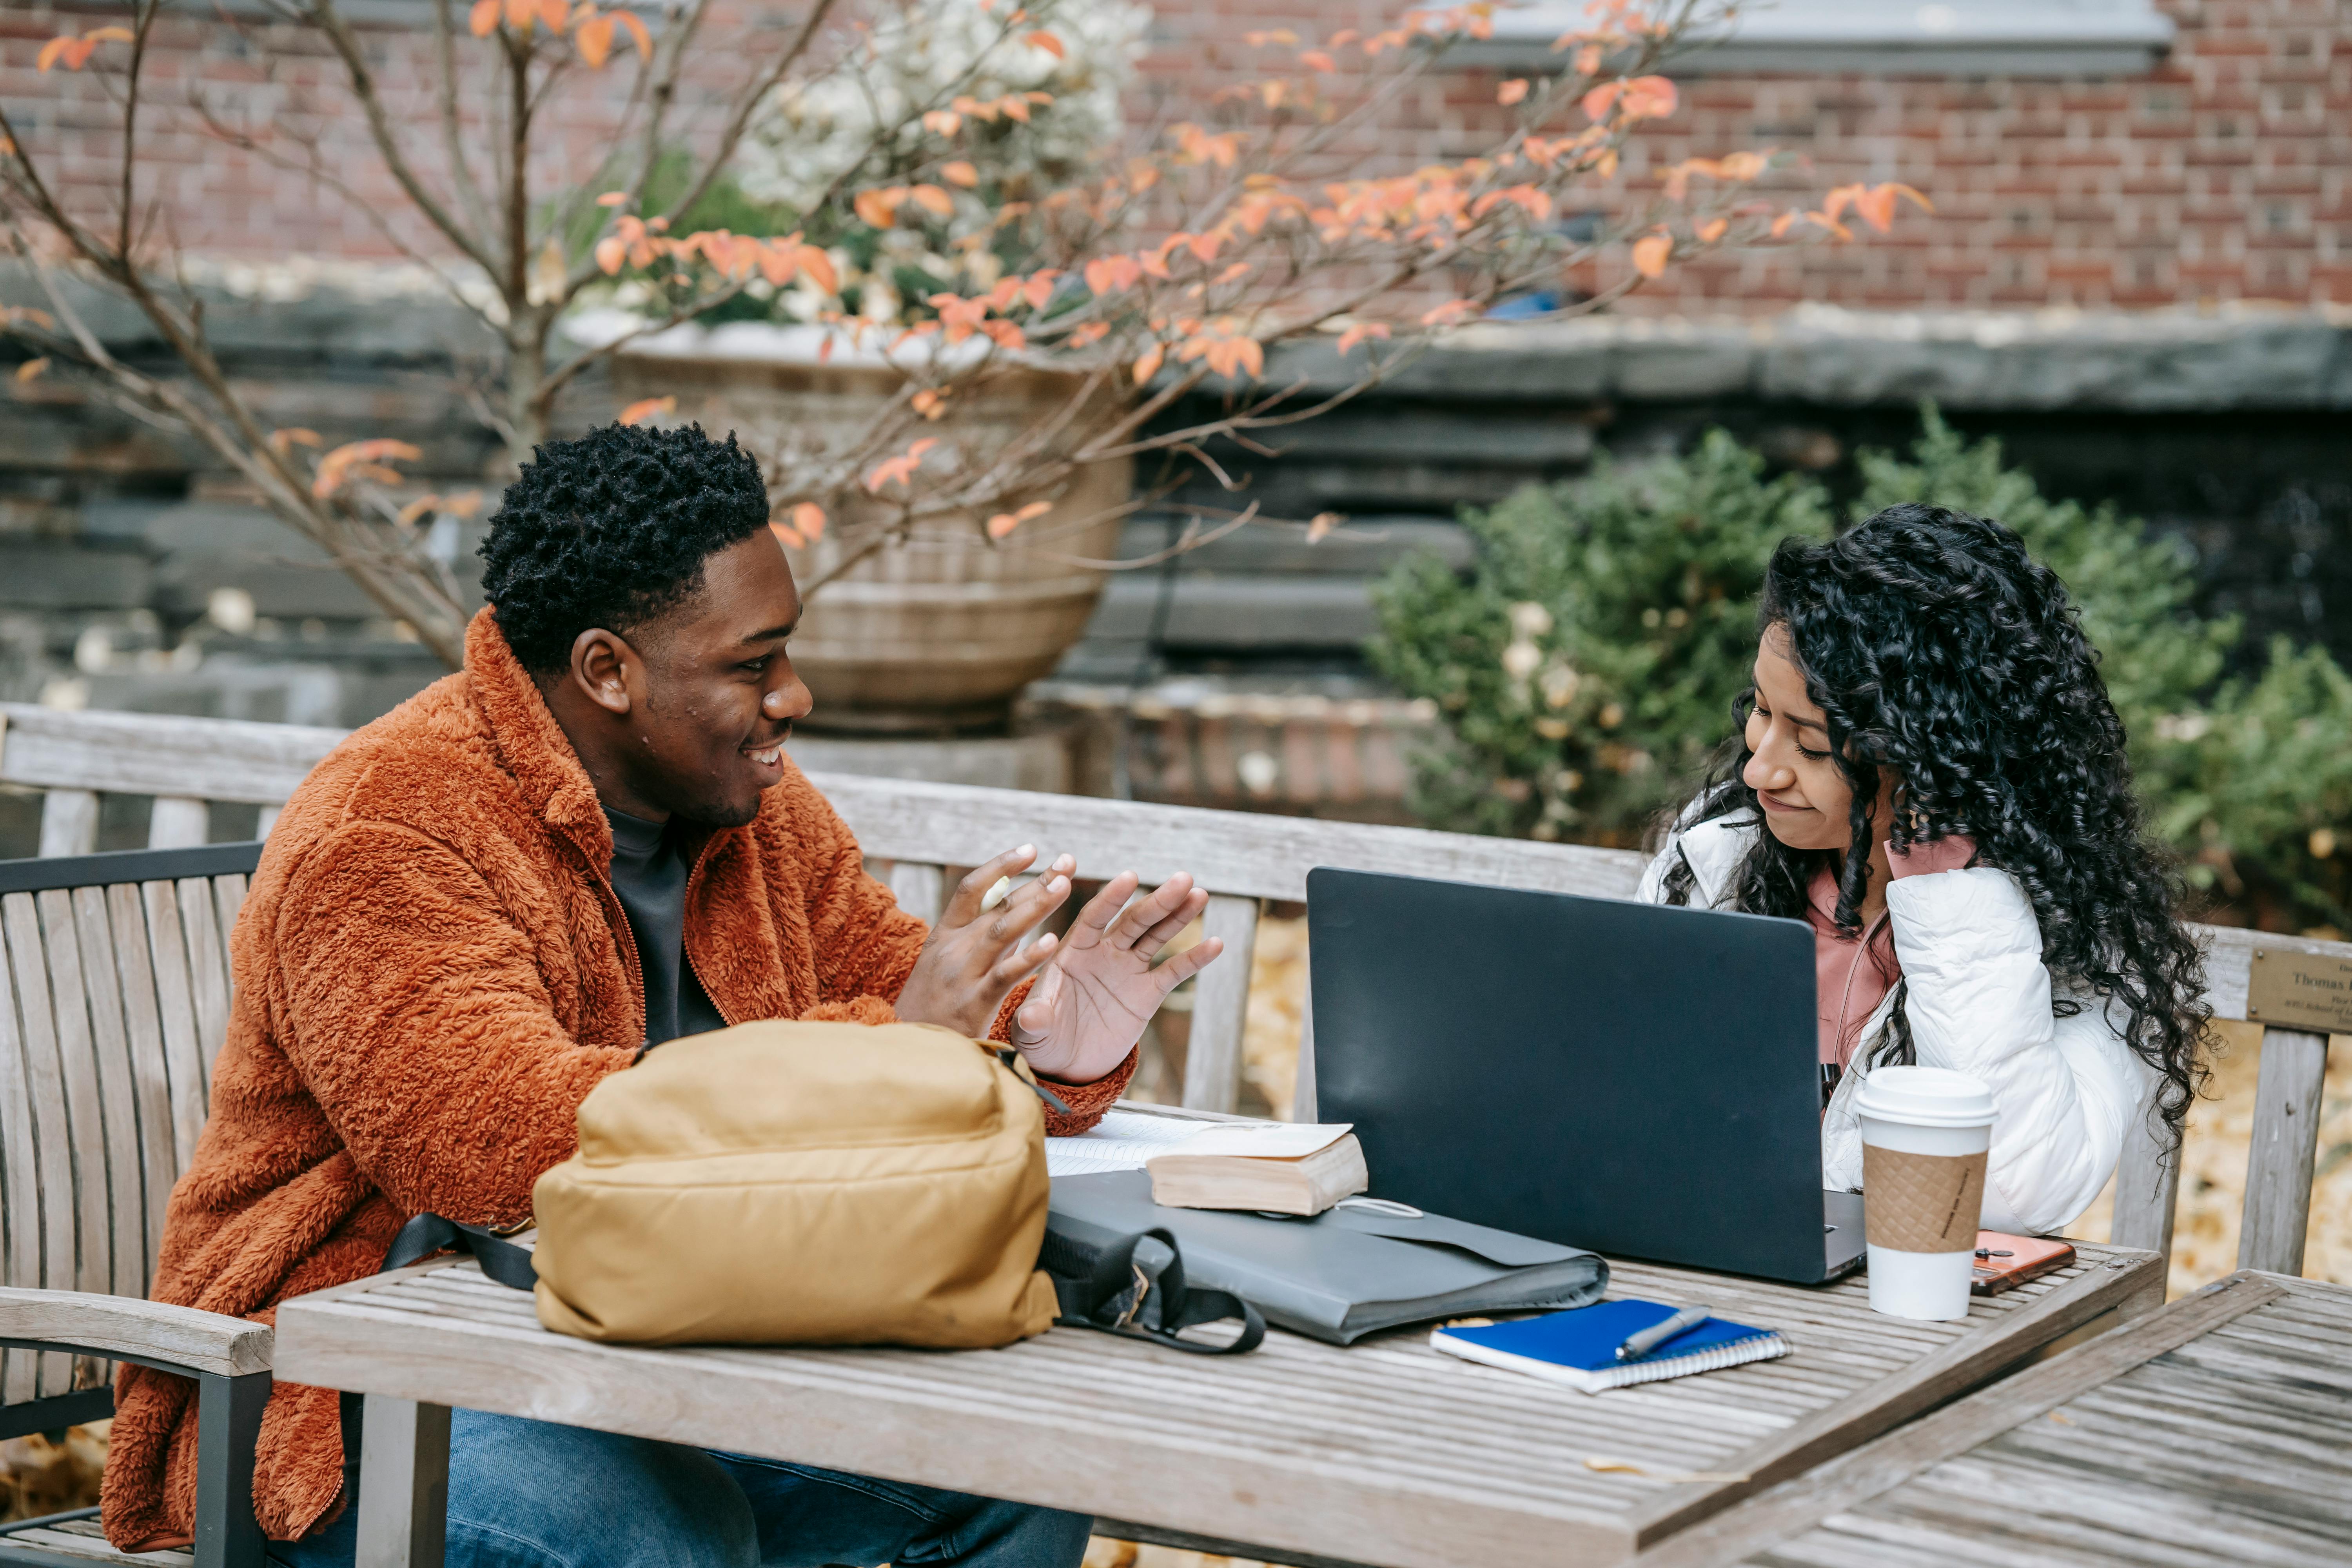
(432,972)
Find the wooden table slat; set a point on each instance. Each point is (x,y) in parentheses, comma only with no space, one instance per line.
(2215,1431)
(1384,1452)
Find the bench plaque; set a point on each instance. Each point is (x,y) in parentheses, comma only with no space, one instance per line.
(2300,991)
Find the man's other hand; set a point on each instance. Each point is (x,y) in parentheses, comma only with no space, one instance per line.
(974,957)
(1089,1009)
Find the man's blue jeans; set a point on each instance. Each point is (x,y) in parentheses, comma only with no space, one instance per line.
(526,1494)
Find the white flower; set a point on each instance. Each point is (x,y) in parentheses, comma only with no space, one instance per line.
(919,56)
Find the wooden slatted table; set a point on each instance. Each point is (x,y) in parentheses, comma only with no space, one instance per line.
(2217,1431)
(1386,1453)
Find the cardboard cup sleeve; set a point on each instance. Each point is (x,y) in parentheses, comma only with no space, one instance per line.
(1922,1203)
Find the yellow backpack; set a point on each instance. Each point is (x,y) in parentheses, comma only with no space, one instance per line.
(801,1184)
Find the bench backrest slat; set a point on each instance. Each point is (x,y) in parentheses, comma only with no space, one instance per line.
(112,980)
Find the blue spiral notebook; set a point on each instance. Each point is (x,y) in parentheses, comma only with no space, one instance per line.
(1579,1348)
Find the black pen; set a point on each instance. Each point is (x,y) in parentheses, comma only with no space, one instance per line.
(1636,1346)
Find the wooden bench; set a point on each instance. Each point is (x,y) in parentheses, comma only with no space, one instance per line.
(114,997)
(187,766)
(912,833)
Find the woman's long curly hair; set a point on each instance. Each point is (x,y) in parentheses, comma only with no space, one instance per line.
(1937,650)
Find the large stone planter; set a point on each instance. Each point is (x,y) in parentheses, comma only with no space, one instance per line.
(940,632)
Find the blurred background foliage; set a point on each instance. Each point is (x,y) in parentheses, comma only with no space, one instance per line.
(1586,662)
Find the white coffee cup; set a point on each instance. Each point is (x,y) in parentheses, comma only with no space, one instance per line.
(1926,1136)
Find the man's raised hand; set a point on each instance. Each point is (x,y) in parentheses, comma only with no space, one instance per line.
(1087,1010)
(974,958)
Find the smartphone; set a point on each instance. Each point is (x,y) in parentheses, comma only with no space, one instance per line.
(2004,1261)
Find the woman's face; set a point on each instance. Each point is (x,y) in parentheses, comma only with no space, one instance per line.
(1807,803)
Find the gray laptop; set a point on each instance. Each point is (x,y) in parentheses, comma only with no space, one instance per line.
(1637,1079)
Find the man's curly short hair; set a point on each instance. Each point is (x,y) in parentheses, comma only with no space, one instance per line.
(611,531)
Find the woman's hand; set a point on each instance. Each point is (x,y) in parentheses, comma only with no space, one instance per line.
(1082,1018)
(974,958)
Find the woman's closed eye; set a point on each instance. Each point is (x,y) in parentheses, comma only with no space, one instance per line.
(1802,750)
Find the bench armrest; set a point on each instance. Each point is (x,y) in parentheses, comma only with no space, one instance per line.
(183,1338)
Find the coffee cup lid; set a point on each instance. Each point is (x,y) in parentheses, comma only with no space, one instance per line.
(1925,1096)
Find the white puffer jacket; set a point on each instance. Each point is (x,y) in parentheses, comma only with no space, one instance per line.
(1979,1001)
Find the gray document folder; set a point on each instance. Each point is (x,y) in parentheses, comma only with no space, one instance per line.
(1347,1271)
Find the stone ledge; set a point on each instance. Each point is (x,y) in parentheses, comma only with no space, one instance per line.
(2147,361)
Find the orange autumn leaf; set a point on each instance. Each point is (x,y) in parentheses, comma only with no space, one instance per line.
(877,208)
(65,47)
(594,38)
(900,470)
(1320,524)
(610,253)
(1041,40)
(110,36)
(945,121)
(1450,313)
(819,266)
(808,518)
(1512,91)
(933,200)
(1643,97)
(647,409)
(1038,290)
(32,368)
(789,537)
(1650,253)
(613,199)
(1712,229)
(637,34)
(959,172)
(1004,522)
(367,458)
(284,441)
(1316,59)
(1148,364)
(1113,274)
(1359,333)
(483,18)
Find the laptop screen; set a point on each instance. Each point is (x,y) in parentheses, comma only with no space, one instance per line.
(1637,1079)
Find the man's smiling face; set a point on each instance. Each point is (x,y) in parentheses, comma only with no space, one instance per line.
(719,696)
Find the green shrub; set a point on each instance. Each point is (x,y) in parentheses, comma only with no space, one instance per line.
(1586,667)
(1586,663)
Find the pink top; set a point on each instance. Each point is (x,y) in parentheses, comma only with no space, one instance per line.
(1853,974)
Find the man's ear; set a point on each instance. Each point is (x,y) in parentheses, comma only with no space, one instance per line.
(601,663)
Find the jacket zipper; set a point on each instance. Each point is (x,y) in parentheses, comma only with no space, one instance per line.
(684,956)
(619,916)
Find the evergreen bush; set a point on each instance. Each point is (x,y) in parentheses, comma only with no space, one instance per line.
(1586,663)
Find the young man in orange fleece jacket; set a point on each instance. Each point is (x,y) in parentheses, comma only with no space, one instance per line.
(587,843)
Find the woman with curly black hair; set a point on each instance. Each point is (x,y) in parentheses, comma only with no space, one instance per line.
(1930,773)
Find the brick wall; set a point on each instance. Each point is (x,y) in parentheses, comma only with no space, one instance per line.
(2223,175)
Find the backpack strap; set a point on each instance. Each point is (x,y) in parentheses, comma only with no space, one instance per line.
(427,1234)
(1101,1286)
